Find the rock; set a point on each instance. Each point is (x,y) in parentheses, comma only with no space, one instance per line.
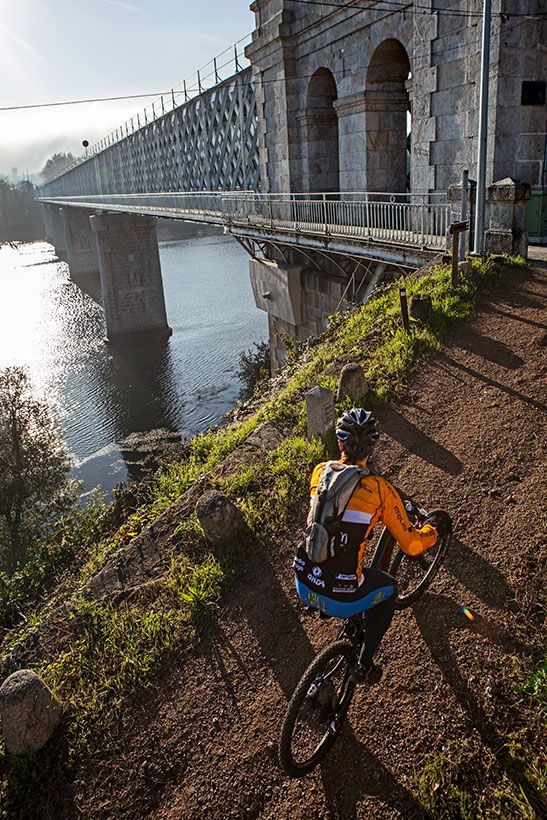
(219,517)
(352,383)
(30,712)
(319,412)
(266,437)
(420,307)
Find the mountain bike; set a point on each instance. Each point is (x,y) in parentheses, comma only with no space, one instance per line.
(323,696)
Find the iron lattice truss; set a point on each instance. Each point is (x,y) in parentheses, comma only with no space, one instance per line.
(207,144)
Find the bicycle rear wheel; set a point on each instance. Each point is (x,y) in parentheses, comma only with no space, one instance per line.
(415,574)
(317,709)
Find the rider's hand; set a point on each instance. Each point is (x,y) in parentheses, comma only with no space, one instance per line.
(441,521)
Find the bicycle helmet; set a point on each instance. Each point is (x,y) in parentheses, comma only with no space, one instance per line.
(356,431)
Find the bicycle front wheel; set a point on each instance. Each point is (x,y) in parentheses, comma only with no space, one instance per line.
(317,709)
(414,574)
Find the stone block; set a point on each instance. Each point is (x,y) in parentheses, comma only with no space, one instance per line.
(320,412)
(352,383)
(29,710)
(420,307)
(277,289)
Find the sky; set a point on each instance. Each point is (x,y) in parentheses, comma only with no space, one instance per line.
(57,50)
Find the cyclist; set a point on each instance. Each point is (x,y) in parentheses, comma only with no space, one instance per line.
(342,586)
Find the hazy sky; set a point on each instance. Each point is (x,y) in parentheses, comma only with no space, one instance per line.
(53,50)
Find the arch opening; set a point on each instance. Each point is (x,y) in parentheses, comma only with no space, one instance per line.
(322,133)
(388,119)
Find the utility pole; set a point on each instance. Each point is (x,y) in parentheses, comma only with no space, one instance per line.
(478,249)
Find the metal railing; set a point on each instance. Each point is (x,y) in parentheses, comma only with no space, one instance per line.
(419,220)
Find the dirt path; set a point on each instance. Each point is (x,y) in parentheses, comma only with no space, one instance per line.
(471,437)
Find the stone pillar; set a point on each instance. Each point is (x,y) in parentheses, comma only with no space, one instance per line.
(386,164)
(505,206)
(80,242)
(58,232)
(48,222)
(352,141)
(131,283)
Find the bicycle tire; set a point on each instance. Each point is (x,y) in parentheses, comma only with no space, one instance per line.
(430,566)
(342,653)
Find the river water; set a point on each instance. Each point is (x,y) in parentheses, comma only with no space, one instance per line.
(101,394)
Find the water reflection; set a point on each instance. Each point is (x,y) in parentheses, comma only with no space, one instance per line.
(55,328)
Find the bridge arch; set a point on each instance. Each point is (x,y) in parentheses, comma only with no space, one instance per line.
(321,133)
(387,118)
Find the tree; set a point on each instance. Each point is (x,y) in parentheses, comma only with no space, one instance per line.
(55,164)
(254,367)
(34,485)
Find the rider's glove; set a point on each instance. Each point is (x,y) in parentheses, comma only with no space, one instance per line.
(441,521)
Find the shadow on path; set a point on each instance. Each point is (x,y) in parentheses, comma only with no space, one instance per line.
(478,575)
(506,314)
(488,348)
(481,377)
(436,617)
(416,441)
(351,772)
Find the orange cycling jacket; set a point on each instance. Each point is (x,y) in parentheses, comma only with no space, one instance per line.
(374,500)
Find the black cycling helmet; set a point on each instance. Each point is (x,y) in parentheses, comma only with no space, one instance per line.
(356,431)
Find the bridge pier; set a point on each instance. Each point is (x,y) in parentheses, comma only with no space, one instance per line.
(57,228)
(48,222)
(80,242)
(129,264)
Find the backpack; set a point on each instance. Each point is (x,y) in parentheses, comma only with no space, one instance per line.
(334,490)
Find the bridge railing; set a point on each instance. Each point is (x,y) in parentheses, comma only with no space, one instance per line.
(417,219)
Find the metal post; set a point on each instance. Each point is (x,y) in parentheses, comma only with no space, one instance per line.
(173,98)
(463,211)
(236,58)
(483,131)
(185,92)
(199,84)
(138,121)
(456,237)
(325,213)
(153,112)
(217,78)
(404,309)
(162,105)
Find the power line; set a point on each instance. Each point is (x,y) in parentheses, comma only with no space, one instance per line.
(79,102)
(264,81)
(416,8)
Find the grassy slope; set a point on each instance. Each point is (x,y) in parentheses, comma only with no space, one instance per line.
(118,650)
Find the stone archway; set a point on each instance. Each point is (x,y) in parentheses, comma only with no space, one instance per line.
(321,131)
(387,108)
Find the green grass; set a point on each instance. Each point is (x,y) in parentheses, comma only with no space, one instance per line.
(457,789)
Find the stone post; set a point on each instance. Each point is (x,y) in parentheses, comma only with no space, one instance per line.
(80,242)
(58,232)
(505,206)
(320,412)
(131,283)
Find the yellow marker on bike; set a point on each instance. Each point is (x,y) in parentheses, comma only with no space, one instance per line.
(468,614)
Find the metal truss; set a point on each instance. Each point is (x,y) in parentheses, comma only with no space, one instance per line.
(207,144)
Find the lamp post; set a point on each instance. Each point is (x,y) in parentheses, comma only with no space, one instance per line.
(478,248)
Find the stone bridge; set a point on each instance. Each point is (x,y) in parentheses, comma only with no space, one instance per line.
(338,155)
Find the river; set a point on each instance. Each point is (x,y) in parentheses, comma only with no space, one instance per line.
(100,394)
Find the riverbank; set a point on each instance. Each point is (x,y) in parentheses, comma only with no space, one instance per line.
(101,657)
